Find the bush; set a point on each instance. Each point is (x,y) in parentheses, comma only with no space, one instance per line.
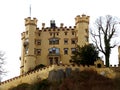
(42,85)
(37,67)
(23,86)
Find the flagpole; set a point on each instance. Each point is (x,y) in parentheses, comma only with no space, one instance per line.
(30,10)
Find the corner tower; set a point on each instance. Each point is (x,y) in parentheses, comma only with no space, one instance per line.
(28,57)
(82,29)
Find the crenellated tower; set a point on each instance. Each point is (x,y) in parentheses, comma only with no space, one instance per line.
(28,58)
(82,29)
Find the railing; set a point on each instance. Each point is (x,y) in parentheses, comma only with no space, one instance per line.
(53,54)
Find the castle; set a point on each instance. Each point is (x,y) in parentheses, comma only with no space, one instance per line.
(53,46)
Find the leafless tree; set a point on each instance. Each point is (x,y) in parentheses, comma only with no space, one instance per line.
(2,62)
(103,33)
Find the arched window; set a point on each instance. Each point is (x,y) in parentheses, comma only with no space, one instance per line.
(54,50)
(99,65)
(53,41)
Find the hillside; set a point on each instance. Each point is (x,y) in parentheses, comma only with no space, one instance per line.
(72,80)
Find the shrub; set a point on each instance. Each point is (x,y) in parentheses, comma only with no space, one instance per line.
(23,86)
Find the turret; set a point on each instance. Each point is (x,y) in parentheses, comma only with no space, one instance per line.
(82,29)
(28,58)
(29,21)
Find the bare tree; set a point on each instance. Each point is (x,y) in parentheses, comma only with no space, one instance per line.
(2,62)
(104,32)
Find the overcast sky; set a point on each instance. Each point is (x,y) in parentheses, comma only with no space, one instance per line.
(13,12)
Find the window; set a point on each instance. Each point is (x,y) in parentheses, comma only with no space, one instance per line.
(50,34)
(26,42)
(65,41)
(73,50)
(38,42)
(37,51)
(53,41)
(26,50)
(73,33)
(51,60)
(57,33)
(56,60)
(73,41)
(54,51)
(39,34)
(99,65)
(65,50)
(65,33)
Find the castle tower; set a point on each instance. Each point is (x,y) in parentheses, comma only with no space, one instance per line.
(28,57)
(82,29)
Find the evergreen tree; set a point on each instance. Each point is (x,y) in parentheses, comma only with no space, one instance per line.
(85,55)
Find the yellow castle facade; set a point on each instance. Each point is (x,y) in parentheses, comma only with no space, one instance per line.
(51,45)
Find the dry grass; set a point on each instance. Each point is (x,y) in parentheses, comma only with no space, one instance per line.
(84,80)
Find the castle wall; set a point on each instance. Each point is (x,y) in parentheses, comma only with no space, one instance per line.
(43,74)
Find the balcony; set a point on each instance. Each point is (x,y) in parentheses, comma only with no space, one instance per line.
(53,54)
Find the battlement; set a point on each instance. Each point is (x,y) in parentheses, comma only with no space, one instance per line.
(49,68)
(61,28)
(29,21)
(83,18)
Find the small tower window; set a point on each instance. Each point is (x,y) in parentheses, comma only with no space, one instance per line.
(65,50)
(65,41)
(65,33)
(26,50)
(26,42)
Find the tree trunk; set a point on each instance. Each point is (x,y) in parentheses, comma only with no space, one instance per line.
(107,59)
